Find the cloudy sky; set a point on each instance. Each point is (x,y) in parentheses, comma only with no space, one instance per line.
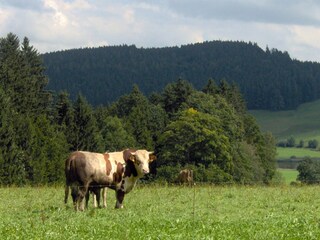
(51,25)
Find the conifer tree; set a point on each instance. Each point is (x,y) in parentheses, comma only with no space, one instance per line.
(175,94)
(35,79)
(211,88)
(87,135)
(64,117)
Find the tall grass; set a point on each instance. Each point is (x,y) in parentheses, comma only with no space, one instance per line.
(162,212)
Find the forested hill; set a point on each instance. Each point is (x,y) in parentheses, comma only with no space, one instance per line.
(268,79)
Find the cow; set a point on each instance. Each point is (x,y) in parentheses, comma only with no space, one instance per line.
(185,176)
(116,170)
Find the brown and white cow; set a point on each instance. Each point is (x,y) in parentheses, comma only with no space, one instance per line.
(117,170)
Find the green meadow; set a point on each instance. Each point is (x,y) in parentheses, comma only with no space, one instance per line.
(166,212)
(286,153)
(289,175)
(302,123)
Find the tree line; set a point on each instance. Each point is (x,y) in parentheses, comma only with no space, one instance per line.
(268,79)
(207,130)
(291,142)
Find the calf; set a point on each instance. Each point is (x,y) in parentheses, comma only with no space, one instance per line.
(118,170)
(185,177)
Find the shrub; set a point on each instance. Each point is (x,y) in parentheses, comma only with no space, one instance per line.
(309,171)
(313,143)
(291,142)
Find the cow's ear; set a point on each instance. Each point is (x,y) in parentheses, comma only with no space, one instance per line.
(132,157)
(128,155)
(152,157)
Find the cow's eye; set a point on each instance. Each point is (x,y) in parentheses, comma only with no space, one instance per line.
(137,161)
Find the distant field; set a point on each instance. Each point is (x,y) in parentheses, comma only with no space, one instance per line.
(160,212)
(290,175)
(286,153)
(303,123)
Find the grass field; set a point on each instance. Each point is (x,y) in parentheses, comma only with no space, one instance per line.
(290,175)
(302,124)
(202,212)
(286,153)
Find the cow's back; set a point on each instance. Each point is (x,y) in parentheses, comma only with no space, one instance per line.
(86,167)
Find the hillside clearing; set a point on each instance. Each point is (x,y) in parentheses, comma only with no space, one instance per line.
(302,123)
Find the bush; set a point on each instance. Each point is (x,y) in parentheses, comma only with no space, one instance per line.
(309,171)
(301,144)
(291,142)
(313,143)
(278,179)
(210,174)
(168,173)
(282,144)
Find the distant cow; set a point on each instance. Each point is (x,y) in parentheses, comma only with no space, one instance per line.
(118,170)
(185,177)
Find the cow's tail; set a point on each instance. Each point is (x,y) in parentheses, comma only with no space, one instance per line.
(70,175)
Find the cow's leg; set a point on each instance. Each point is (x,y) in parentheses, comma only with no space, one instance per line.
(66,194)
(104,197)
(120,197)
(74,194)
(82,193)
(94,199)
(97,197)
(87,198)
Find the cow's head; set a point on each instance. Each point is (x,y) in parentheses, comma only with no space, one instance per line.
(141,160)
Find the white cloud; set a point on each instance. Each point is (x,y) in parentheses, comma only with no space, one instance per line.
(288,25)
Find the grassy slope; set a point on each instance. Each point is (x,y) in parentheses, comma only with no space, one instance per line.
(206,212)
(302,124)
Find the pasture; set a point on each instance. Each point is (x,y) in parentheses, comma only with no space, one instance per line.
(287,153)
(166,212)
(289,175)
(302,123)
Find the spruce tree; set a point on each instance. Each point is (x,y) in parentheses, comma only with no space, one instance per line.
(87,135)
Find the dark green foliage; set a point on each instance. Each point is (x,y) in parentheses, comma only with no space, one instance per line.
(175,94)
(301,144)
(267,153)
(195,138)
(309,171)
(313,143)
(291,142)
(141,118)
(22,75)
(87,134)
(32,149)
(267,79)
(115,136)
